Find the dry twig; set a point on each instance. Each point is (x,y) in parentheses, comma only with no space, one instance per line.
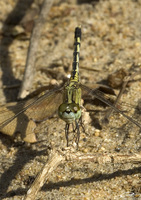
(125,82)
(33,46)
(59,156)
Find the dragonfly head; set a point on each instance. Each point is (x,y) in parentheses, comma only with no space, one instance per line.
(69,112)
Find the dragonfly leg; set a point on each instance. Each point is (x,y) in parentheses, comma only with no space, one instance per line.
(74,129)
(67,132)
(82,124)
(78,133)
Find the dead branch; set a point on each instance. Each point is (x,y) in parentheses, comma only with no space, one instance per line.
(59,156)
(48,168)
(125,82)
(33,46)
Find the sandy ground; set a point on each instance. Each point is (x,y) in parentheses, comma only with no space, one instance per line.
(111,40)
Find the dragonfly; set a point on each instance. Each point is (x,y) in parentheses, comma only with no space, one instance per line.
(22,116)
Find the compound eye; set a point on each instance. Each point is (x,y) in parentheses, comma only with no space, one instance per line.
(63,107)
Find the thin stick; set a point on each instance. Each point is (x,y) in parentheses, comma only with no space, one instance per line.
(59,156)
(125,82)
(46,171)
(33,46)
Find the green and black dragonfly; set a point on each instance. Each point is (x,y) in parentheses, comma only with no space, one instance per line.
(21,117)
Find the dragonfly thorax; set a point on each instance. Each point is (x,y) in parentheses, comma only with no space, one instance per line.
(69,112)
(72,93)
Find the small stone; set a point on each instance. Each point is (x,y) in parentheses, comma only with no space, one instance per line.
(97,133)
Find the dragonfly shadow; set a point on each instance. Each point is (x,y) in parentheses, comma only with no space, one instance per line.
(11,21)
(95,113)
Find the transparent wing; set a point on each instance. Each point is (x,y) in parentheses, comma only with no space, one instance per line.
(20,117)
(45,106)
(37,108)
(95,93)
